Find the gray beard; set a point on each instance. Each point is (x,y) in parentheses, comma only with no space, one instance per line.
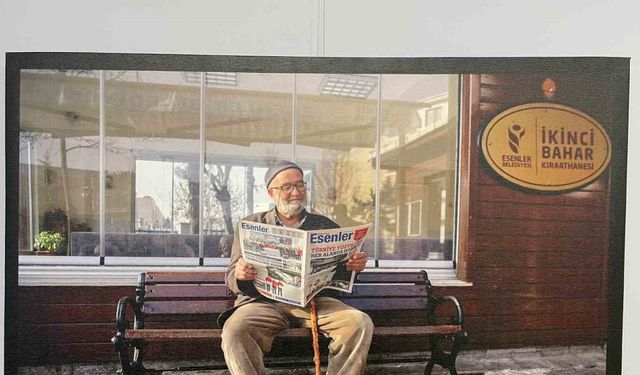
(290,209)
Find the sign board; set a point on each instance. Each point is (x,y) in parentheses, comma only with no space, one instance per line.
(546,147)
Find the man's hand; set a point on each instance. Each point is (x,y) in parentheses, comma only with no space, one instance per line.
(245,271)
(357,262)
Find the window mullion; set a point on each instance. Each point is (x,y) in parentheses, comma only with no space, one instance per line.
(293,120)
(102,167)
(376,180)
(201,169)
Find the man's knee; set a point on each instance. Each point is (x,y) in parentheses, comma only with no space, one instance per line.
(233,329)
(360,322)
(364,323)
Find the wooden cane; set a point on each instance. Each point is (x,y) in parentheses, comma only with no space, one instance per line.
(314,334)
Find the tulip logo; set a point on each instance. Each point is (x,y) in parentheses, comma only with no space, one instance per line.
(516,132)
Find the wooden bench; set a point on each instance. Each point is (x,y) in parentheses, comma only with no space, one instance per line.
(399,303)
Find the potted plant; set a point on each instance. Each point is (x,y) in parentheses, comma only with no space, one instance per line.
(48,243)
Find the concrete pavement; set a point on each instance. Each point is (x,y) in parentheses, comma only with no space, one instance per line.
(573,360)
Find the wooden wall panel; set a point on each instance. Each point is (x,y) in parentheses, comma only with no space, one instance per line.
(547,212)
(535,228)
(48,353)
(67,324)
(555,243)
(501,193)
(486,177)
(537,261)
(538,337)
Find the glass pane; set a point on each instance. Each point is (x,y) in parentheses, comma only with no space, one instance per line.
(152,164)
(248,125)
(335,142)
(414,215)
(59,156)
(418,165)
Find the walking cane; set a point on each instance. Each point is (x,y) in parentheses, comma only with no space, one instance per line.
(314,334)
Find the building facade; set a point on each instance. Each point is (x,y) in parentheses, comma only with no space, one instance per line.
(399,151)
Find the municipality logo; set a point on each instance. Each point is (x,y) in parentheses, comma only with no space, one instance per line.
(516,132)
(562,149)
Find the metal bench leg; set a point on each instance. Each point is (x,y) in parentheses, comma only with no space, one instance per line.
(429,367)
(121,347)
(128,367)
(446,360)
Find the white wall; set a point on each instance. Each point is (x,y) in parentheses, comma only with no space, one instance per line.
(354,28)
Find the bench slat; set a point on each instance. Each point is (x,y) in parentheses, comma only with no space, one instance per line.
(187,307)
(166,334)
(184,277)
(218,306)
(381,318)
(186,291)
(220,291)
(420,330)
(218,277)
(373,304)
(391,277)
(382,290)
(176,334)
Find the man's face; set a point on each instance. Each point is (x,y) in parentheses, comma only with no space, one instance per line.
(291,203)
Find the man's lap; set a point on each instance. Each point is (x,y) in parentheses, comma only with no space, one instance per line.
(276,316)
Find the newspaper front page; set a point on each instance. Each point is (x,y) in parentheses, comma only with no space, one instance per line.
(293,265)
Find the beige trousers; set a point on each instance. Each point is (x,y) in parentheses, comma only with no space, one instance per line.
(250,330)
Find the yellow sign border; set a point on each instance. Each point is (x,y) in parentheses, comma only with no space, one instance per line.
(540,186)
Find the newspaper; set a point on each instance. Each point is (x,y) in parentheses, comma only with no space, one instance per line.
(293,265)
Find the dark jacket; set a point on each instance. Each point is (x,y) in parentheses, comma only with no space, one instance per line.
(245,290)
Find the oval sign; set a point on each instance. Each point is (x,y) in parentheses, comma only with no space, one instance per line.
(546,147)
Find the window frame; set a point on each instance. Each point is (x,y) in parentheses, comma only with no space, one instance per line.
(218,63)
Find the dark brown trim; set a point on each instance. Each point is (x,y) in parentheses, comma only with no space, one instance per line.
(469,117)
(12,160)
(617,212)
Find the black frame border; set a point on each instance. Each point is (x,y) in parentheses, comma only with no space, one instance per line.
(616,67)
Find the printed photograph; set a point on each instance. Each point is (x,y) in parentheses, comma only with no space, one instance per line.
(499,182)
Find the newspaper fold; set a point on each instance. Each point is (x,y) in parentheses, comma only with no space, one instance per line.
(293,265)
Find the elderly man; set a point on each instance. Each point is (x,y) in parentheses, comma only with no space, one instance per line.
(250,326)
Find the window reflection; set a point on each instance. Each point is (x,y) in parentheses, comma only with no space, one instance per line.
(248,125)
(160,199)
(336,138)
(417,166)
(152,164)
(59,131)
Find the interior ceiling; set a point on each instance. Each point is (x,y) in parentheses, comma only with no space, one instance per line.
(66,106)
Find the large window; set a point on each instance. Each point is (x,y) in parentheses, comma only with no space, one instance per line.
(59,154)
(134,165)
(418,164)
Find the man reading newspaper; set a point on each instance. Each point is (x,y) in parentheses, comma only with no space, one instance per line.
(293,265)
(250,326)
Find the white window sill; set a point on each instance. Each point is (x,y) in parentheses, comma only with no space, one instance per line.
(72,275)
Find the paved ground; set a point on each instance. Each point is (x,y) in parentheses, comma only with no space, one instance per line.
(583,360)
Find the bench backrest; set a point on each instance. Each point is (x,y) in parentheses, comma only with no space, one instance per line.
(390,298)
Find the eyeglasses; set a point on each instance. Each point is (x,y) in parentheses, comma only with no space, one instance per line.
(288,188)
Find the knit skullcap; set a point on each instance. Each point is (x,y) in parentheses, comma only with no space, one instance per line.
(278,167)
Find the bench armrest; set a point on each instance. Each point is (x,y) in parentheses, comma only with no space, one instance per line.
(436,302)
(121,319)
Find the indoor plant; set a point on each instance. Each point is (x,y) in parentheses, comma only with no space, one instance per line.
(47,242)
